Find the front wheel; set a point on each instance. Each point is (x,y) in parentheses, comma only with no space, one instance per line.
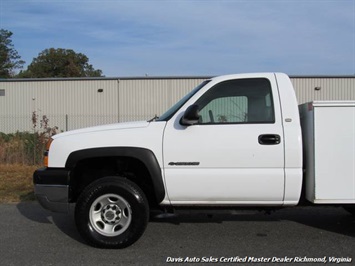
(112,212)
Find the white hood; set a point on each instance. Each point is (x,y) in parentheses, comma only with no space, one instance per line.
(136,134)
(117,126)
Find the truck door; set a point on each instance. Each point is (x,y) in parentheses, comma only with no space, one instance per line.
(235,153)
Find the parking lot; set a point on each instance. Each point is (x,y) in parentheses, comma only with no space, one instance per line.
(33,236)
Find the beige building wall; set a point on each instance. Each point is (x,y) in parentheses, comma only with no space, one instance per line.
(77,103)
(324,88)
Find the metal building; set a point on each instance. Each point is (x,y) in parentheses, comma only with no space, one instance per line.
(81,102)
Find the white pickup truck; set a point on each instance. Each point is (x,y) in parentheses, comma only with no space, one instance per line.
(234,141)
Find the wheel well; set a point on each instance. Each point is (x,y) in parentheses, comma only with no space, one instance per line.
(89,170)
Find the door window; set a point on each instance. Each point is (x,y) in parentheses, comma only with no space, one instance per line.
(237,101)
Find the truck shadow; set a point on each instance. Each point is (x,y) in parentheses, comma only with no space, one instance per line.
(331,219)
(64,222)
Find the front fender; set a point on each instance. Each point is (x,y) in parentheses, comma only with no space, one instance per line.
(146,156)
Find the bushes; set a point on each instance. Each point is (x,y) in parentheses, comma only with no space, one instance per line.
(20,154)
(22,148)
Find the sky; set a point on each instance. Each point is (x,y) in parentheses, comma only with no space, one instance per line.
(126,38)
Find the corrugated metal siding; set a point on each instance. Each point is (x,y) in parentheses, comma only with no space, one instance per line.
(76,97)
(143,99)
(71,104)
(330,88)
(67,104)
(16,102)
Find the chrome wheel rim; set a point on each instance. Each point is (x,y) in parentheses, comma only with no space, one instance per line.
(110,215)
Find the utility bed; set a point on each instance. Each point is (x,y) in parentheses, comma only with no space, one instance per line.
(328,130)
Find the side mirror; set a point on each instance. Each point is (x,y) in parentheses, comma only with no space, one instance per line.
(190,116)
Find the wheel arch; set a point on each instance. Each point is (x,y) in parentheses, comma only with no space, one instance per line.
(145,156)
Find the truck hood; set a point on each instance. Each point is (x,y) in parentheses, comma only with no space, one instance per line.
(117,126)
(146,135)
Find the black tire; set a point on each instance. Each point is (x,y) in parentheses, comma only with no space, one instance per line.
(112,212)
(350,208)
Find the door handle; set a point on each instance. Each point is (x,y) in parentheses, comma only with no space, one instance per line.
(269,139)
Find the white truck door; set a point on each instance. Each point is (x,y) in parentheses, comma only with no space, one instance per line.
(235,153)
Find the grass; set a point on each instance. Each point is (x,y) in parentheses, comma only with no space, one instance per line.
(16,183)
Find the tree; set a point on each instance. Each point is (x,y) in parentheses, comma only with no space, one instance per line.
(58,63)
(9,57)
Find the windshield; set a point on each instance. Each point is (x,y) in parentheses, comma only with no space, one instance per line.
(168,114)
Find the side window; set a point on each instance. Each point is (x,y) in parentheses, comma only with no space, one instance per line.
(238,101)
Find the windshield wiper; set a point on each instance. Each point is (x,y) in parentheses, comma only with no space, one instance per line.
(154,118)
